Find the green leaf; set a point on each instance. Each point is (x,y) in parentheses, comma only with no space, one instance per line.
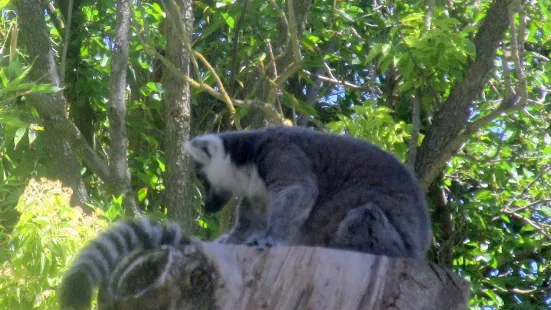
(374,52)
(19,134)
(470,48)
(483,194)
(3,3)
(546,210)
(45,88)
(142,193)
(228,19)
(412,17)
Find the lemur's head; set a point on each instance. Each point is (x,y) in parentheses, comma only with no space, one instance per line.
(214,169)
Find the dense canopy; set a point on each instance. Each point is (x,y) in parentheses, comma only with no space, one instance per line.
(95,93)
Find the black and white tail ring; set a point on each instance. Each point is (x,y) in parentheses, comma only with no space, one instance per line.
(96,261)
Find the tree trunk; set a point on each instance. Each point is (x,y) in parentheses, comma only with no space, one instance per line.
(217,276)
(51,107)
(179,191)
(118,142)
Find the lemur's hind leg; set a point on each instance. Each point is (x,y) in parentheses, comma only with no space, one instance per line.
(367,229)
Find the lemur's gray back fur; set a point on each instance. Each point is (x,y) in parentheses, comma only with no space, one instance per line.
(97,260)
(319,189)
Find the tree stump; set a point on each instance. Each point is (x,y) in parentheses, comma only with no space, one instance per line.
(231,277)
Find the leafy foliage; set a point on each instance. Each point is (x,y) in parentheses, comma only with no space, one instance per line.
(46,237)
(362,63)
(375,124)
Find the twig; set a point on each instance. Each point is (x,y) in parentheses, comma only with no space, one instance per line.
(270,110)
(509,90)
(341,83)
(14,29)
(500,142)
(429,7)
(56,20)
(328,70)
(66,44)
(225,97)
(271,98)
(506,106)
(415,120)
(295,48)
(530,205)
(519,67)
(531,223)
(236,44)
(526,188)
(521,29)
(514,291)
(283,17)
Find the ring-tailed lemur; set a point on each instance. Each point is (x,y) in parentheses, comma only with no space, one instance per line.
(97,260)
(304,187)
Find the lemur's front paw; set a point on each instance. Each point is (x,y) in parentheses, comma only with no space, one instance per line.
(262,243)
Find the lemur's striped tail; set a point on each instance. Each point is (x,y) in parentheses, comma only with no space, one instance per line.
(96,261)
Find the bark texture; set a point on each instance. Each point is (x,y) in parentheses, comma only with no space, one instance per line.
(52,107)
(449,122)
(179,190)
(217,276)
(117,109)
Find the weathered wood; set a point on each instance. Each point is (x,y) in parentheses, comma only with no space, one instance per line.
(227,277)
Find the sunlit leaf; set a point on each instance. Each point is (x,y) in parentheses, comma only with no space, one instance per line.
(19,134)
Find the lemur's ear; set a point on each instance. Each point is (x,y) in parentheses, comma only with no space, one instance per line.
(202,149)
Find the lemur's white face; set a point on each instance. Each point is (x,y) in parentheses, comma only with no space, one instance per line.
(212,160)
(221,178)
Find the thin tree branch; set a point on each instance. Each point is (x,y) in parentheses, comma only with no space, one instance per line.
(272,93)
(283,18)
(295,51)
(526,189)
(429,8)
(67,129)
(531,223)
(234,61)
(506,106)
(66,43)
(509,90)
(416,122)
(56,19)
(530,205)
(269,109)
(225,97)
(517,57)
